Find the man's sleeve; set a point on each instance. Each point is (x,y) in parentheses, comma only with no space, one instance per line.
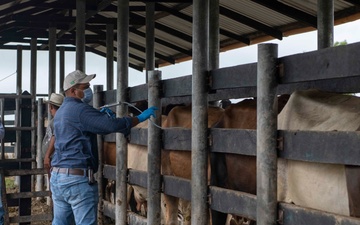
(2,131)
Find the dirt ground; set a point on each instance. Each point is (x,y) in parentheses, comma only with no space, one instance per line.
(37,206)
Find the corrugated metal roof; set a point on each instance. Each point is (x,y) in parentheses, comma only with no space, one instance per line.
(242,22)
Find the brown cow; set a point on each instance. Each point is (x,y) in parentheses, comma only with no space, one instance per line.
(234,171)
(178,163)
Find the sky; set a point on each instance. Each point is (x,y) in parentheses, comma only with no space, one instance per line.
(295,44)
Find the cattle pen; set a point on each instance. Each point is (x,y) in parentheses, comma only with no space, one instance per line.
(331,69)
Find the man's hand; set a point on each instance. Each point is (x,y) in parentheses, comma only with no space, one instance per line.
(108,111)
(147,113)
(47,162)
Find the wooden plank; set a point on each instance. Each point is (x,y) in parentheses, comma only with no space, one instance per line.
(176,87)
(339,147)
(28,194)
(22,172)
(32,218)
(138,136)
(294,215)
(138,93)
(341,85)
(233,202)
(177,138)
(17,160)
(138,178)
(234,77)
(13,164)
(177,187)
(109,172)
(135,219)
(108,209)
(110,137)
(232,93)
(336,62)
(109,97)
(233,141)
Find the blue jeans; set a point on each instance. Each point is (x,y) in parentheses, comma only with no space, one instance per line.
(72,195)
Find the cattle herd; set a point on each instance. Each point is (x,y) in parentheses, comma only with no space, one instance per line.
(329,187)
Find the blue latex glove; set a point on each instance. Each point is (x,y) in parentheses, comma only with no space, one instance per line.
(147,113)
(108,111)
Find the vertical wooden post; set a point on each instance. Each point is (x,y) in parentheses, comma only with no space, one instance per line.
(266,162)
(97,102)
(154,151)
(199,144)
(150,39)
(80,34)
(121,110)
(109,56)
(325,23)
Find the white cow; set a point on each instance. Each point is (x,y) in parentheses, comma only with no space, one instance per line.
(319,185)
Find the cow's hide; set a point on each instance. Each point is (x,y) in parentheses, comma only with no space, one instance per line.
(137,160)
(318,185)
(235,171)
(178,163)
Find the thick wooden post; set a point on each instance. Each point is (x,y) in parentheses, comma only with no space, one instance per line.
(266,162)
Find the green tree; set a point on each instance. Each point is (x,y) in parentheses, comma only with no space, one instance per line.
(344,42)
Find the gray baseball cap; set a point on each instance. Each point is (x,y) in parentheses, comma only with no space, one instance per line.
(77,77)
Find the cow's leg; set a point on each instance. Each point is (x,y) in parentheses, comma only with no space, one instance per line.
(112,192)
(108,191)
(353,187)
(218,178)
(171,214)
(185,207)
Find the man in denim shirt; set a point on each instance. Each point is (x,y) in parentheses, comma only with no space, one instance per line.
(76,124)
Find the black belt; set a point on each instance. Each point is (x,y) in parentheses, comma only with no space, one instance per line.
(80,172)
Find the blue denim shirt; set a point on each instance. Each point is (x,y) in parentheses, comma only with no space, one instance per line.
(75,126)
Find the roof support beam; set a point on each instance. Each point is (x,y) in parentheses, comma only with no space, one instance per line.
(140,48)
(251,23)
(354,2)
(162,42)
(189,19)
(288,11)
(157,55)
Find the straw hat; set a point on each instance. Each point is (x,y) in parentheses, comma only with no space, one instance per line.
(56,99)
